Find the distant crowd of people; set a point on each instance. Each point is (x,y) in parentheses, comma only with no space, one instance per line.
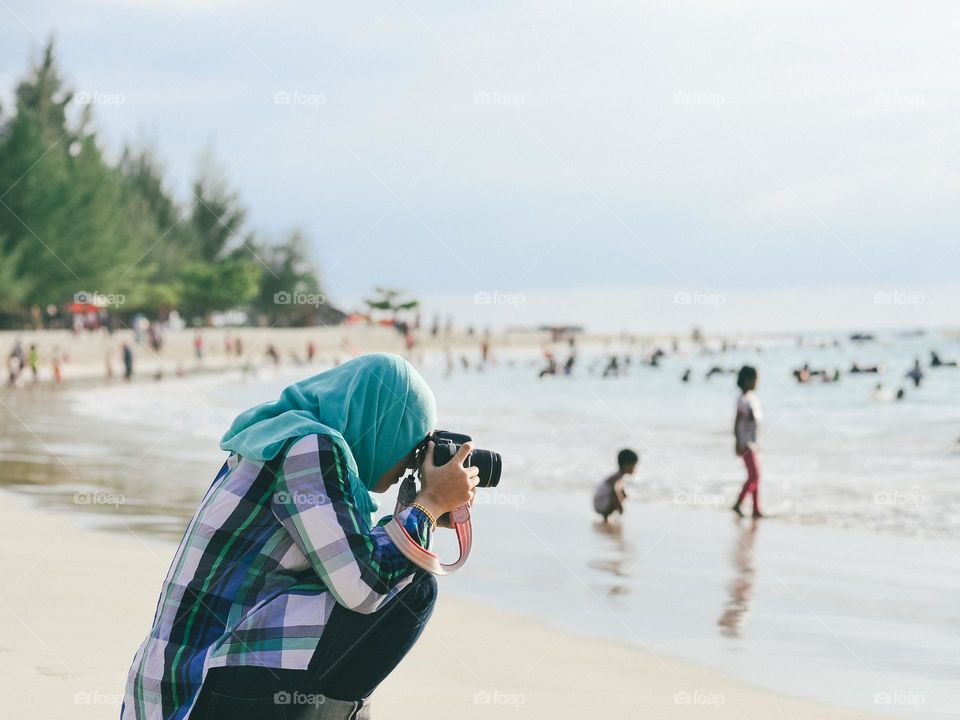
(24,365)
(22,362)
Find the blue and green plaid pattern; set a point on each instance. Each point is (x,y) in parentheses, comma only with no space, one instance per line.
(270,551)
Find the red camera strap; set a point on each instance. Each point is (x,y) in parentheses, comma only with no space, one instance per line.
(419,555)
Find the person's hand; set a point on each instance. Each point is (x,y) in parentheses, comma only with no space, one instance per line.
(449,486)
(444,520)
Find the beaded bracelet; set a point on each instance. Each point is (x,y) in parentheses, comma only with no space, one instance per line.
(430,517)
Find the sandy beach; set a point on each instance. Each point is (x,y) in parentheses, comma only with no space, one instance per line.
(77,601)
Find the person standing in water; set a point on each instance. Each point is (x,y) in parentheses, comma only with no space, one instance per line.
(916,373)
(745,425)
(609,495)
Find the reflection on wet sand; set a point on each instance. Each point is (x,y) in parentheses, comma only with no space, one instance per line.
(617,562)
(740,589)
(117,473)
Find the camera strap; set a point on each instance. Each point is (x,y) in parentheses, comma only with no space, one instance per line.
(416,553)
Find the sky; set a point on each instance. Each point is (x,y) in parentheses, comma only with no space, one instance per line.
(584,162)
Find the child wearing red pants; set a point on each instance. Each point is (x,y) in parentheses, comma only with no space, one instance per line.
(745,433)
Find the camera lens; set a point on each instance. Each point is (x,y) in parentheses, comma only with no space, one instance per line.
(489,464)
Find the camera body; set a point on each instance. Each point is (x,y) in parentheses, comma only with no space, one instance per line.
(488,462)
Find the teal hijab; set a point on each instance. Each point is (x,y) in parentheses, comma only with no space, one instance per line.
(377,407)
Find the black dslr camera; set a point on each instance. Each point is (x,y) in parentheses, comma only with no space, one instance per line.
(446,446)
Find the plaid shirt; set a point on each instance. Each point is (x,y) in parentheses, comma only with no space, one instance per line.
(271,549)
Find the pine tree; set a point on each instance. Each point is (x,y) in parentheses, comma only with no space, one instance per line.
(62,212)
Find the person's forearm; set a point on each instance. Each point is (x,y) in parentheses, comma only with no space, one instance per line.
(314,504)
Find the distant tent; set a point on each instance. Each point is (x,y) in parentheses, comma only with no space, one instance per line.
(82,308)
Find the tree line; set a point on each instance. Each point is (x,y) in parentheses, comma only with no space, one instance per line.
(75,225)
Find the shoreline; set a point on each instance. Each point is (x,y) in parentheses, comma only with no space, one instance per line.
(84,356)
(65,654)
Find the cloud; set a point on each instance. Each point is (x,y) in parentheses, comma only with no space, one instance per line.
(621,143)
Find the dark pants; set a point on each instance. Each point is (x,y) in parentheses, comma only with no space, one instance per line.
(355,654)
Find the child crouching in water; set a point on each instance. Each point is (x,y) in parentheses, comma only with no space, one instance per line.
(609,495)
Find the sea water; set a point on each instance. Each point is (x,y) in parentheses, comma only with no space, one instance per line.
(841,454)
